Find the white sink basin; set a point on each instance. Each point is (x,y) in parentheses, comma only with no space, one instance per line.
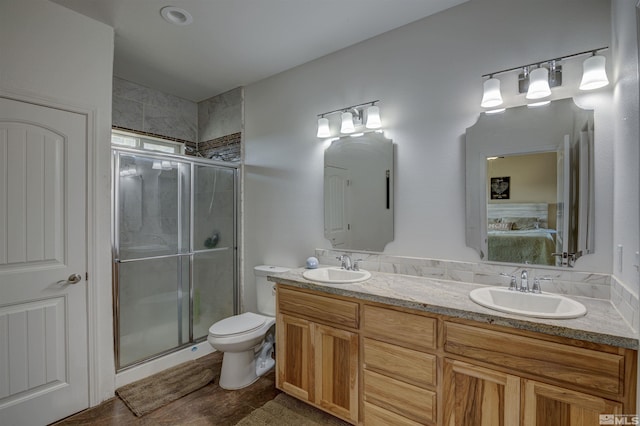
(545,305)
(336,275)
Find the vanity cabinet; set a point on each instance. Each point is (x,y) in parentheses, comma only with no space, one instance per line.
(374,364)
(399,367)
(294,357)
(317,350)
(475,395)
(546,382)
(552,405)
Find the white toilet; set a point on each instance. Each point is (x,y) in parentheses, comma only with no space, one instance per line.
(246,339)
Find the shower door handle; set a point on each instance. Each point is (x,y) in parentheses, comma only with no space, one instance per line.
(74,278)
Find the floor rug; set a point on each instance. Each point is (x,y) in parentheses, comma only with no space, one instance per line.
(155,391)
(284,410)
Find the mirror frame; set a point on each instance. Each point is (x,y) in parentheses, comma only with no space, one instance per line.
(500,135)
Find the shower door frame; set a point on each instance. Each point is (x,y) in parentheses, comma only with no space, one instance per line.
(115,243)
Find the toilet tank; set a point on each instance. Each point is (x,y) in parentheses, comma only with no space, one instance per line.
(265,290)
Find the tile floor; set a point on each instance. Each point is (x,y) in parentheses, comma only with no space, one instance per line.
(210,405)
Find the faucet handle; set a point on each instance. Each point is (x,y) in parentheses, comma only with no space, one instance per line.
(536,286)
(513,283)
(355,265)
(542,279)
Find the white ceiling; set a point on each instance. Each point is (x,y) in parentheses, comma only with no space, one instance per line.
(234,43)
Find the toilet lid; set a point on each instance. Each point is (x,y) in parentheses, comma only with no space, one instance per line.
(237,324)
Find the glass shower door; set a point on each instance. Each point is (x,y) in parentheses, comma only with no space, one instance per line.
(152,256)
(214,246)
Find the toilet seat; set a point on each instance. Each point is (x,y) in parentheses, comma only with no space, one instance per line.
(237,325)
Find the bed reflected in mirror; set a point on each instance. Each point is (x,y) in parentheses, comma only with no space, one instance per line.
(522,208)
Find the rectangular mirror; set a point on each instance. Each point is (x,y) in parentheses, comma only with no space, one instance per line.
(358,192)
(529,185)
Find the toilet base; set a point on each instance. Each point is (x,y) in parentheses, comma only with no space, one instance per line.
(238,370)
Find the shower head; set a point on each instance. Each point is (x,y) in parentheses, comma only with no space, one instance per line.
(193,151)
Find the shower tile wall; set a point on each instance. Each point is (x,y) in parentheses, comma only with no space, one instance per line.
(220,115)
(225,148)
(213,127)
(220,126)
(151,111)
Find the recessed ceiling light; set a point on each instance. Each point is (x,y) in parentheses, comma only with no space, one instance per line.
(176,15)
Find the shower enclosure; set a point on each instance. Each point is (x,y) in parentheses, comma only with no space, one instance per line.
(174,251)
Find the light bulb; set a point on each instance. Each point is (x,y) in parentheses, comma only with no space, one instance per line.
(347,123)
(491,96)
(594,74)
(538,84)
(323,128)
(373,118)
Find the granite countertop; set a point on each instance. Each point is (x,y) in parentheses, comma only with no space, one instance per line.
(602,323)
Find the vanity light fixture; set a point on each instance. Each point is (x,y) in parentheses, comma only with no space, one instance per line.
(373,117)
(347,123)
(323,127)
(594,74)
(352,118)
(491,96)
(537,79)
(538,84)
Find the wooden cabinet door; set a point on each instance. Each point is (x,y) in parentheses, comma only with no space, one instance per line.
(336,371)
(547,405)
(294,357)
(477,396)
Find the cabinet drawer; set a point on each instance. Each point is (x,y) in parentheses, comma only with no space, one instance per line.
(586,368)
(417,368)
(399,397)
(376,416)
(320,308)
(409,330)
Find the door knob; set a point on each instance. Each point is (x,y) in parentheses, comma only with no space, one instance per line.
(74,278)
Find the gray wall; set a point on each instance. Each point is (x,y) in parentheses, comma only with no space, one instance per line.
(427,76)
(626,175)
(62,57)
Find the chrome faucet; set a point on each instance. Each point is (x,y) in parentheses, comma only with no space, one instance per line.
(346,261)
(524,281)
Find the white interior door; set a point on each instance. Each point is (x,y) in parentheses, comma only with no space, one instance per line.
(336,216)
(43,314)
